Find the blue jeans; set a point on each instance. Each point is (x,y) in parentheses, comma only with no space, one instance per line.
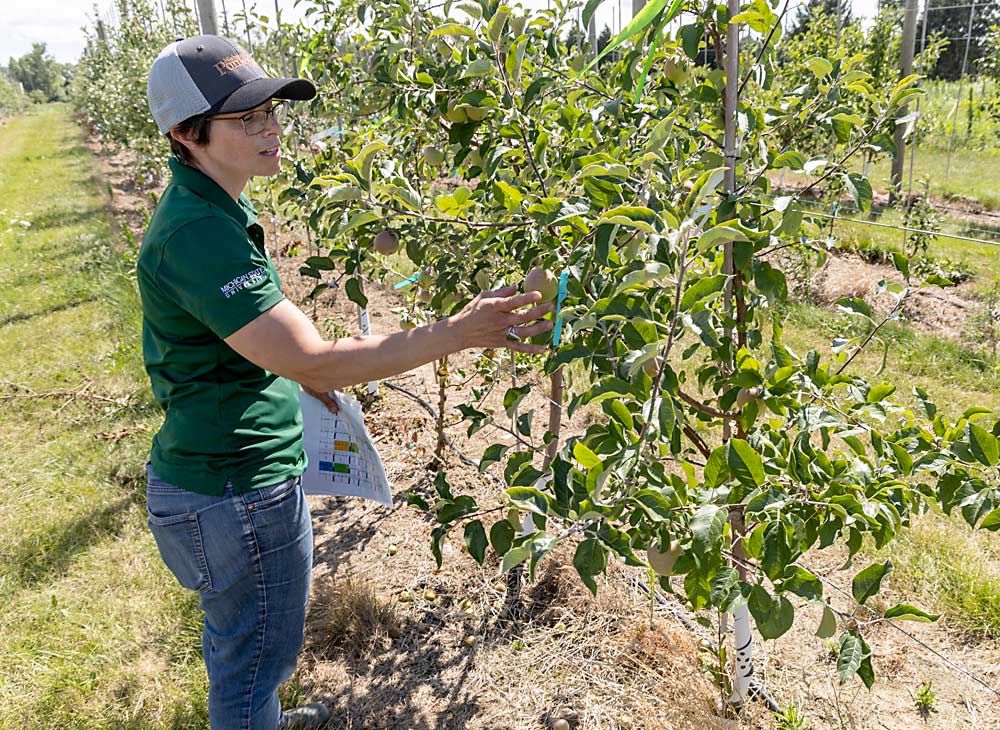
(249,556)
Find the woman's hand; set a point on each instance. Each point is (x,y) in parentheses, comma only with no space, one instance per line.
(326,399)
(488,320)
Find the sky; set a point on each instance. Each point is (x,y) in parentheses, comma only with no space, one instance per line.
(59,23)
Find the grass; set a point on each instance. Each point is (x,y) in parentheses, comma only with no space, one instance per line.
(954,376)
(94,632)
(934,570)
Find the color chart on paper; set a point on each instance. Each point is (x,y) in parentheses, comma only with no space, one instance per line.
(342,460)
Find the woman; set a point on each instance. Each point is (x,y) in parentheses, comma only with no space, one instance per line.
(225,353)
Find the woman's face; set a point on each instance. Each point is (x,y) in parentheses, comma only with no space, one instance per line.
(238,154)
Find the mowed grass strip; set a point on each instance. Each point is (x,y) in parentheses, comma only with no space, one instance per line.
(94,632)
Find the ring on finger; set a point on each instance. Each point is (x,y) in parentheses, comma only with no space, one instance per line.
(512,334)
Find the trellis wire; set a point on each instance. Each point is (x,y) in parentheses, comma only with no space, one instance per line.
(950,662)
(961,84)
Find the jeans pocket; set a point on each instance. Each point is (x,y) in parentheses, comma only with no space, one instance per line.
(181,546)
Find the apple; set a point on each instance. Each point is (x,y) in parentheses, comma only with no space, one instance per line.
(433,156)
(676,72)
(543,281)
(475,113)
(386,243)
(456,113)
(482,279)
(663,562)
(652,366)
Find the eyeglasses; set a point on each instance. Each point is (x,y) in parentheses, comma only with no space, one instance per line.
(255,122)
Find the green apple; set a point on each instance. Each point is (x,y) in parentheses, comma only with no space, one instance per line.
(482,279)
(386,243)
(543,281)
(663,562)
(475,113)
(676,72)
(433,156)
(456,113)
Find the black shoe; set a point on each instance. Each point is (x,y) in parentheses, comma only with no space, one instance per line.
(313,716)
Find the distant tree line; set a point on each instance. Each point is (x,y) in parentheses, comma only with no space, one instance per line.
(948,20)
(39,75)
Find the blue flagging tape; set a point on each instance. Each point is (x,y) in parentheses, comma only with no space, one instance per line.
(557,330)
(407,282)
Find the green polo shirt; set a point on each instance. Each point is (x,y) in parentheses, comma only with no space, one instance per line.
(203,274)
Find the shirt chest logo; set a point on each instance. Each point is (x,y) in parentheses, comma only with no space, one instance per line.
(244,281)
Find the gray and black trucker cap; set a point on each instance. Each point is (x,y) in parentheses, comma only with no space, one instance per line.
(209,74)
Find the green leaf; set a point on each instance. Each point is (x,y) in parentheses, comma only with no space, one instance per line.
(991,521)
(344,193)
(827,624)
(497,23)
(777,552)
(860,189)
(707,526)
(638,23)
(363,160)
(702,288)
(691,36)
(772,614)
(634,216)
(529,499)
(587,458)
(513,397)
(322,263)
(502,537)
(492,455)
(869,581)
(589,560)
(453,29)
(745,463)
(514,557)
(656,506)
(983,444)
(716,469)
(802,583)
(354,293)
(853,651)
(880,392)
(479,67)
(475,540)
(719,235)
(588,11)
(820,66)
(906,612)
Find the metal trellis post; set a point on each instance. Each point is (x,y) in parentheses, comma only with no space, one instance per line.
(209,18)
(905,69)
(961,83)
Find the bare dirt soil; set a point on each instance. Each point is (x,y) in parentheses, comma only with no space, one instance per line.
(393,642)
(943,311)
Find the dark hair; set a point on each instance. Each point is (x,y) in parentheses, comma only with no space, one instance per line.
(198,125)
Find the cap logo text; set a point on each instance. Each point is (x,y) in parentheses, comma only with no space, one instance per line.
(231,63)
